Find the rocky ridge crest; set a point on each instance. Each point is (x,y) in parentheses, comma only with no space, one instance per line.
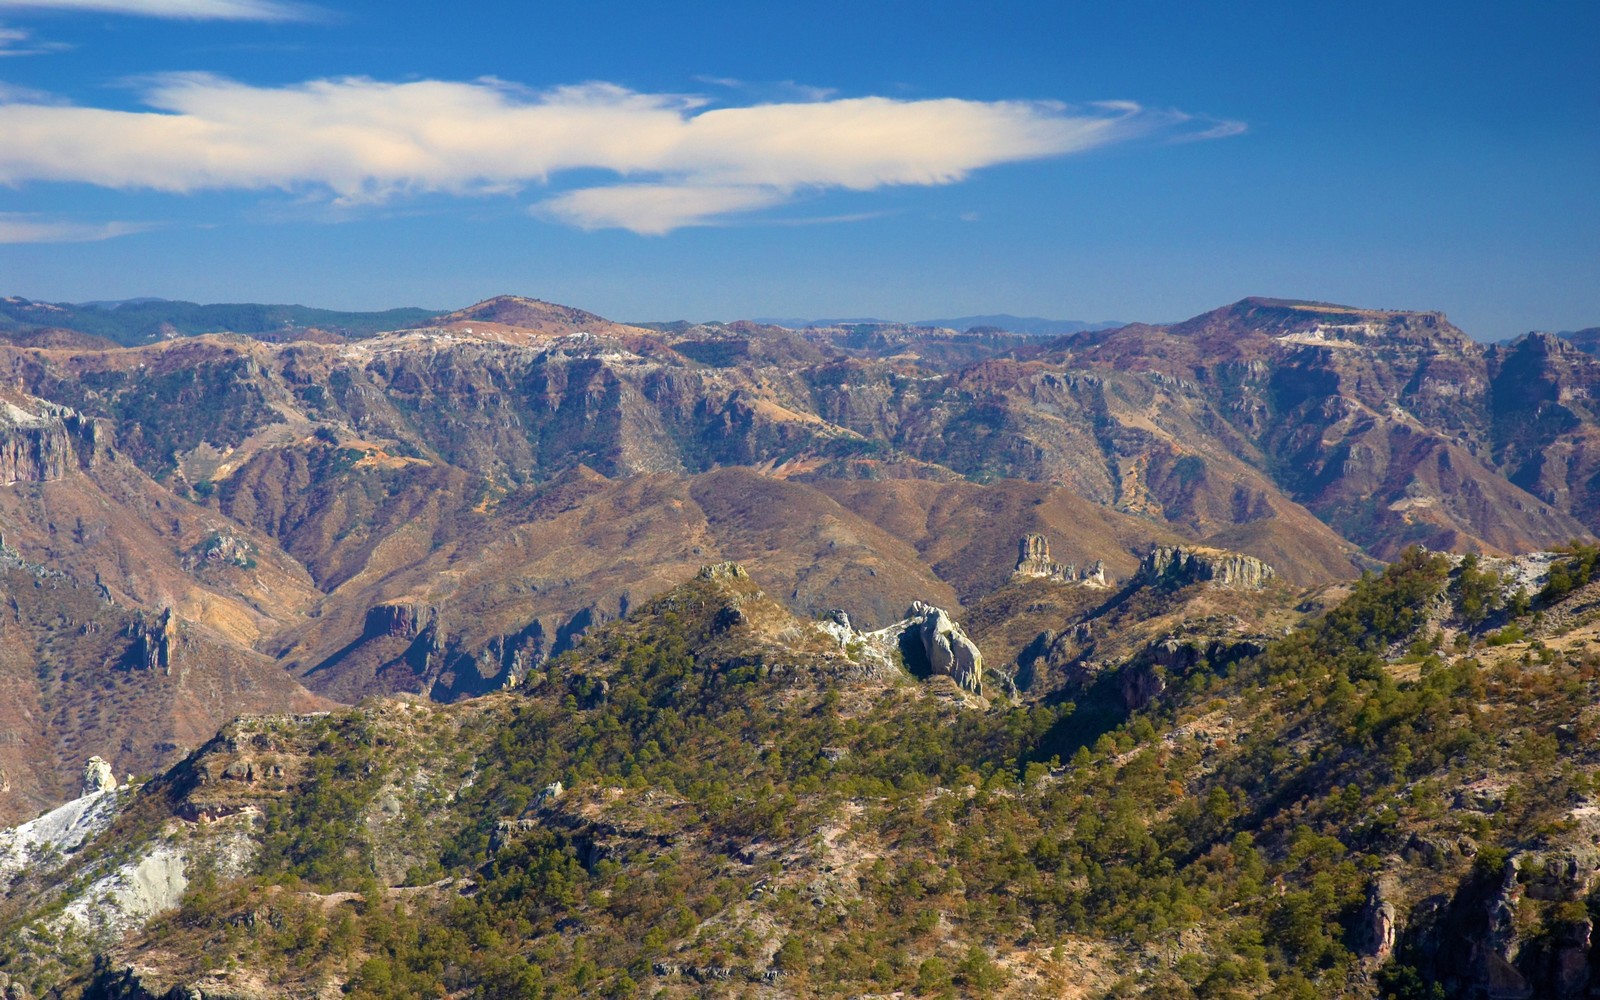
(1181,565)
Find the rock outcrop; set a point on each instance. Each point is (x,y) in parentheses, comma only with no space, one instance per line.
(97,777)
(1034,562)
(946,648)
(1525,932)
(154,639)
(1181,565)
(402,620)
(222,548)
(723,571)
(927,641)
(1375,926)
(40,443)
(1141,684)
(1179,656)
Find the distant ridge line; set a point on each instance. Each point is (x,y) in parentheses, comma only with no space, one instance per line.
(1037,325)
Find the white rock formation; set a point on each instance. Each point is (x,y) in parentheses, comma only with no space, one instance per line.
(931,634)
(55,834)
(950,653)
(128,897)
(97,777)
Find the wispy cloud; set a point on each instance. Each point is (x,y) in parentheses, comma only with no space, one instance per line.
(1212,130)
(830,220)
(20,42)
(11,93)
(187,10)
(25,228)
(678,161)
(779,90)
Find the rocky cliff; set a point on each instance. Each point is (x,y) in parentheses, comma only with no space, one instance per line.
(155,640)
(403,620)
(41,441)
(1181,565)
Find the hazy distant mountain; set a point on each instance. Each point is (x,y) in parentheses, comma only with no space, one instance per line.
(1586,340)
(117,303)
(142,321)
(1022,324)
(1034,325)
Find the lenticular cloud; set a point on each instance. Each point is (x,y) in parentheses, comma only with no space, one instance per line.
(676,160)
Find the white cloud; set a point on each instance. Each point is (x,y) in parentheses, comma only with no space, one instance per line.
(653,209)
(19,42)
(188,10)
(678,161)
(23,228)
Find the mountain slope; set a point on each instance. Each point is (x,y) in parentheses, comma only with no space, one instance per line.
(441,509)
(713,796)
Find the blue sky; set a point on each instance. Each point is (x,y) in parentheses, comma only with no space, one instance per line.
(716,161)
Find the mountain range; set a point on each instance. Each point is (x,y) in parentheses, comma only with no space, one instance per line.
(474,522)
(145,320)
(998,321)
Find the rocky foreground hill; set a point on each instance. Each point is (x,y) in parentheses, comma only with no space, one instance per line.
(1038,560)
(714,796)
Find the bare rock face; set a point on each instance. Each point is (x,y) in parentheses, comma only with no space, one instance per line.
(1501,958)
(40,443)
(927,642)
(97,777)
(1180,565)
(154,640)
(1095,575)
(403,620)
(948,650)
(1375,927)
(1140,685)
(1033,560)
